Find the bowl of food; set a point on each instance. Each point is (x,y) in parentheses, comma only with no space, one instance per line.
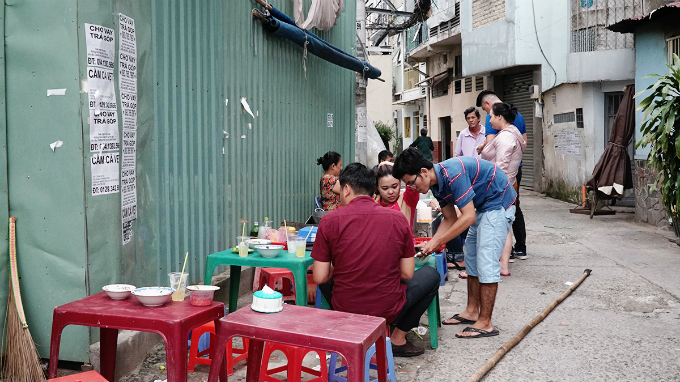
(253,242)
(118,291)
(269,251)
(153,296)
(202,295)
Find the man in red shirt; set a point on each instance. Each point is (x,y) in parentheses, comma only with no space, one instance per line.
(364,261)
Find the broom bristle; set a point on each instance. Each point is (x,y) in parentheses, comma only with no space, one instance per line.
(22,361)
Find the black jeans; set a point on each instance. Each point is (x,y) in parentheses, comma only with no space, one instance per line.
(518,227)
(420,290)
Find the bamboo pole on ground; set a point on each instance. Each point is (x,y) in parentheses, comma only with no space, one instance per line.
(488,365)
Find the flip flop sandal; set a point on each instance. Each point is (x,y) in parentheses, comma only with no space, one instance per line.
(506,275)
(461,320)
(482,333)
(462,276)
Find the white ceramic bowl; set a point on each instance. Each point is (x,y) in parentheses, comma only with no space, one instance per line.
(269,251)
(253,242)
(118,291)
(153,296)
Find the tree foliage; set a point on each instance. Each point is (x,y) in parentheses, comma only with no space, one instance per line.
(661,130)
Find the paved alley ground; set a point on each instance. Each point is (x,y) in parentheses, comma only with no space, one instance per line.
(621,324)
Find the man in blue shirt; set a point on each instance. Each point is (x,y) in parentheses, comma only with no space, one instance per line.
(485,198)
(486,100)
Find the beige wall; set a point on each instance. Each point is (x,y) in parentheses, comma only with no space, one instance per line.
(379,94)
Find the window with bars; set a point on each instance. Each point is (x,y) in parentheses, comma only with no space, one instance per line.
(457,86)
(590,19)
(579,118)
(479,83)
(673,45)
(468,84)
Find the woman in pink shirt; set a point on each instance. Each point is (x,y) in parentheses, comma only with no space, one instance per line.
(389,193)
(505,151)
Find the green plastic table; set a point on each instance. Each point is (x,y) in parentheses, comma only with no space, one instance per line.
(297,265)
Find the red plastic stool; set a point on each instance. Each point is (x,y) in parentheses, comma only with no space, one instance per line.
(88,376)
(279,279)
(196,357)
(294,368)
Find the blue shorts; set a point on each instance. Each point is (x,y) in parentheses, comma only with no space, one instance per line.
(484,244)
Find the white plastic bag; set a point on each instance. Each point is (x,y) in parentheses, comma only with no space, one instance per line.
(322,14)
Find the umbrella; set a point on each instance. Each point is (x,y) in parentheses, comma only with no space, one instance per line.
(612,174)
(279,24)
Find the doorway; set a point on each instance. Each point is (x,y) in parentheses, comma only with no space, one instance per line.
(445,134)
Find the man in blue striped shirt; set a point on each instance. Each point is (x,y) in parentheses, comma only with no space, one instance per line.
(485,198)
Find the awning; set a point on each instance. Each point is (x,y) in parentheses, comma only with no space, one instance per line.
(629,25)
(437,78)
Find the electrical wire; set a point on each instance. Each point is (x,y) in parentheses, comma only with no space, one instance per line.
(533,11)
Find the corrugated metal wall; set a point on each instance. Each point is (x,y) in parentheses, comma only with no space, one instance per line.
(209,52)
(193,184)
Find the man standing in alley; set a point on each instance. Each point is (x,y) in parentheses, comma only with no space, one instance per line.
(486,100)
(485,198)
(472,137)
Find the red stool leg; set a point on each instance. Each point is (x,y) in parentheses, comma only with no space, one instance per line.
(195,357)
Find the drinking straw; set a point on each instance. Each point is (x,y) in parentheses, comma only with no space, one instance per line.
(284,224)
(243,231)
(308,233)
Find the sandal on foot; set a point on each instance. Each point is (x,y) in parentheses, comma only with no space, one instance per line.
(461,320)
(482,333)
(462,275)
(506,275)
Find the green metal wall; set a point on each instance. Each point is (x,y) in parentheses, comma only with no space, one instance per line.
(193,183)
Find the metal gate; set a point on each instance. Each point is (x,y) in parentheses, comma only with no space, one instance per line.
(516,92)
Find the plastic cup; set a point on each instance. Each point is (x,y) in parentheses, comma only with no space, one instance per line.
(174,280)
(243,242)
(300,246)
(291,245)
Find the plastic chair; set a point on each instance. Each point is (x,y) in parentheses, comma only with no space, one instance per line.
(279,279)
(317,200)
(370,364)
(443,270)
(294,356)
(196,356)
(88,376)
(433,311)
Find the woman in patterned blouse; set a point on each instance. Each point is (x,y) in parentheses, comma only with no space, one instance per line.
(329,185)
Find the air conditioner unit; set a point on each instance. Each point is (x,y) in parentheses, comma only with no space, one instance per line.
(534,92)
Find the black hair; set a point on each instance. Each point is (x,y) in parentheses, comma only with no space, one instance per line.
(410,161)
(423,132)
(384,170)
(480,96)
(328,159)
(359,177)
(469,110)
(383,155)
(505,110)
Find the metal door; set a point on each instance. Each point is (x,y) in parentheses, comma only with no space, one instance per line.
(516,92)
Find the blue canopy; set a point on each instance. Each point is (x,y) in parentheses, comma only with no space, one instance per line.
(283,26)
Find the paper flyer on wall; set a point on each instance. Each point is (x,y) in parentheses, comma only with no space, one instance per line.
(105,176)
(127,86)
(101,56)
(103,109)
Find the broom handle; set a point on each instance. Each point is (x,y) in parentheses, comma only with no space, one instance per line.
(488,365)
(14,271)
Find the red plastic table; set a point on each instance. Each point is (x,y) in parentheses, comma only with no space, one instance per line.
(173,321)
(350,335)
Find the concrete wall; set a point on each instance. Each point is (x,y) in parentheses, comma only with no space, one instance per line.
(487,12)
(564,174)
(603,65)
(512,41)
(379,94)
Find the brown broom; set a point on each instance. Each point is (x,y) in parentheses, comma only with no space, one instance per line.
(22,361)
(488,365)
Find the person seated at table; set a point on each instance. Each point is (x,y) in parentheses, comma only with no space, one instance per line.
(384,156)
(389,193)
(364,261)
(331,162)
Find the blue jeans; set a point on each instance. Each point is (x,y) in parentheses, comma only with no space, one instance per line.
(484,244)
